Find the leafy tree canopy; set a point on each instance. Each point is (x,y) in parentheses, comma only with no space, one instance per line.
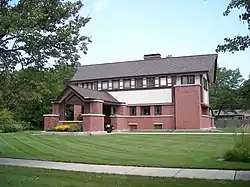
(224,93)
(34,31)
(238,43)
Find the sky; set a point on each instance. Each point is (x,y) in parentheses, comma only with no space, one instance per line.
(124,30)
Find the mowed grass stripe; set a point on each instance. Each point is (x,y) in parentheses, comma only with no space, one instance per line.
(34,177)
(197,151)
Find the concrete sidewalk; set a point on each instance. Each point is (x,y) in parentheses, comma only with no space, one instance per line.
(130,170)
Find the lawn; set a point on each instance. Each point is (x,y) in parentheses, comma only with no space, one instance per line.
(187,151)
(30,177)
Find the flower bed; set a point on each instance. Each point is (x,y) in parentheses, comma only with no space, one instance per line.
(66,128)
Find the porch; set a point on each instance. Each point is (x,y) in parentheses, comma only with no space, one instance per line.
(90,109)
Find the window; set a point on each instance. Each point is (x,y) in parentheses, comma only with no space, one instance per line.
(113,110)
(187,79)
(151,82)
(85,85)
(104,85)
(163,81)
(157,126)
(132,111)
(90,86)
(126,83)
(157,110)
(115,84)
(145,110)
(139,83)
(205,83)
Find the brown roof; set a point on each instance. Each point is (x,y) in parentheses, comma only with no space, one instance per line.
(93,94)
(169,65)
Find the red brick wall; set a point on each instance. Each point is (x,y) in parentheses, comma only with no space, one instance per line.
(50,121)
(93,123)
(97,108)
(188,107)
(206,122)
(120,123)
(147,122)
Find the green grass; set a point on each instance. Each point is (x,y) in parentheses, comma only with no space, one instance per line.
(186,151)
(30,177)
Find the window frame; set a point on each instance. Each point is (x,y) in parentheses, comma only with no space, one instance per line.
(160,84)
(155,110)
(131,110)
(129,81)
(118,83)
(107,85)
(148,81)
(90,83)
(205,83)
(188,79)
(136,83)
(142,110)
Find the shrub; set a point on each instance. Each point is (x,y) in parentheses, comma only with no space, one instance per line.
(12,127)
(79,117)
(62,128)
(75,128)
(241,150)
(239,153)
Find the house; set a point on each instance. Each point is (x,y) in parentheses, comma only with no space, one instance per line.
(153,93)
(237,114)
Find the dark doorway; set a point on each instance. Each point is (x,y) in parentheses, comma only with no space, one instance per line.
(69,112)
(107,113)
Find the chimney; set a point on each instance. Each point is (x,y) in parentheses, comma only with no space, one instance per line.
(152,56)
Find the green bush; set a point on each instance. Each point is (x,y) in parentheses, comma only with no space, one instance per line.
(241,150)
(12,127)
(74,128)
(8,124)
(239,153)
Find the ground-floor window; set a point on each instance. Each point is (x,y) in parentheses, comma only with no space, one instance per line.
(157,126)
(133,127)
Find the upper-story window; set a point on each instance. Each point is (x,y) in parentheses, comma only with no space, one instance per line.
(145,110)
(126,83)
(205,83)
(105,85)
(85,85)
(163,81)
(90,85)
(139,83)
(132,110)
(151,82)
(157,110)
(187,79)
(115,84)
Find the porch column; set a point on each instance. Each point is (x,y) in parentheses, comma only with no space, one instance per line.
(77,111)
(55,108)
(94,120)
(62,112)
(119,120)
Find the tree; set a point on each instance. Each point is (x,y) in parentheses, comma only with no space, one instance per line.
(27,93)
(224,93)
(244,93)
(238,43)
(34,32)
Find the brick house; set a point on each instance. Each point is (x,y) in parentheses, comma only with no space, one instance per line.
(154,93)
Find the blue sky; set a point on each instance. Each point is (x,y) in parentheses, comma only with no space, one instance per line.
(127,29)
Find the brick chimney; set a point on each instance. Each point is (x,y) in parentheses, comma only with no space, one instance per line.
(152,56)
